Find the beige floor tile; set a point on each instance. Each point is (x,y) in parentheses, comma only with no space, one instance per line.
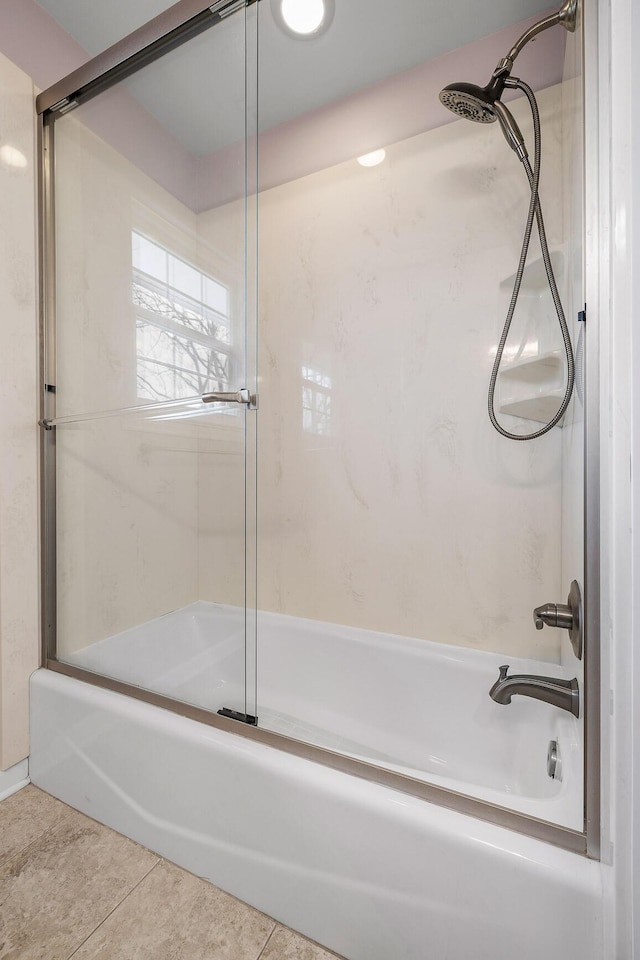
(25,816)
(287,945)
(55,892)
(173,915)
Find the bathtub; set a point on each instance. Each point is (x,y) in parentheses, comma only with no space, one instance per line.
(365,869)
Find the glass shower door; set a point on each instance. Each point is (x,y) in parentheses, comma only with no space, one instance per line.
(404,543)
(149,383)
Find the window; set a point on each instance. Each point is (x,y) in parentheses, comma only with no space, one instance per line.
(183,333)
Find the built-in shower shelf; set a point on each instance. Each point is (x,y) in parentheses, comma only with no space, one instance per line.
(537,369)
(541,408)
(533,387)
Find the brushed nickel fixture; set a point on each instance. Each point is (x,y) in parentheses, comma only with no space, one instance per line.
(554,764)
(567,616)
(238,396)
(559,693)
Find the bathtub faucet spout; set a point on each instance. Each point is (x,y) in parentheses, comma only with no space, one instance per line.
(560,693)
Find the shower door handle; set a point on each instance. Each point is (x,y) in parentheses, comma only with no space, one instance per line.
(239,396)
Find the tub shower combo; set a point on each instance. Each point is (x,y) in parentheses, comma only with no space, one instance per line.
(289,565)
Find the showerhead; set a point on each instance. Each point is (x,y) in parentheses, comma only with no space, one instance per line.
(483,105)
(473,102)
(470,101)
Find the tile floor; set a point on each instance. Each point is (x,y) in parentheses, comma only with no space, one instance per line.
(70,887)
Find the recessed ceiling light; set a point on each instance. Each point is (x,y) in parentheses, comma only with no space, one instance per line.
(303,19)
(12,157)
(372,159)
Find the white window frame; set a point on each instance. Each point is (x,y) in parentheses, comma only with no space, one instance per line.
(164,289)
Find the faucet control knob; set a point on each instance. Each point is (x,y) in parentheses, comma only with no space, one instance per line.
(546,614)
(567,616)
(503,671)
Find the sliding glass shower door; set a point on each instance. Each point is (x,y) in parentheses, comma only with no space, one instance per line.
(395,544)
(150,376)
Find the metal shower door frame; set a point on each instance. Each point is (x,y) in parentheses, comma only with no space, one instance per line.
(176,25)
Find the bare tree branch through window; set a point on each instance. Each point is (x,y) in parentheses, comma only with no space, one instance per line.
(183,336)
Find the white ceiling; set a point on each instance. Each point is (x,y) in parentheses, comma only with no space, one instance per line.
(197,91)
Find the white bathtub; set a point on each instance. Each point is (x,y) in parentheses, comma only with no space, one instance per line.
(368,871)
(412,706)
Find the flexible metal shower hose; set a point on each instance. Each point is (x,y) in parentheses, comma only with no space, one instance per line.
(535,211)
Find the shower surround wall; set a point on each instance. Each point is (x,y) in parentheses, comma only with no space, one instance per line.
(130,486)
(117,486)
(397,507)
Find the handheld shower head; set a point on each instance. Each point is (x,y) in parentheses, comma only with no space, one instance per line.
(511,130)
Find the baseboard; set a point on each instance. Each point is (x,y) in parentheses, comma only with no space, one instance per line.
(14,779)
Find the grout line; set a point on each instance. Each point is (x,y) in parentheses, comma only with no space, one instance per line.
(315,943)
(120,902)
(267,941)
(57,823)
